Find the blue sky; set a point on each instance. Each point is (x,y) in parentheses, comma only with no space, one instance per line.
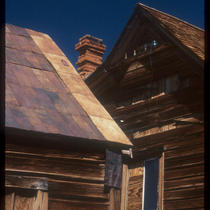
(67,20)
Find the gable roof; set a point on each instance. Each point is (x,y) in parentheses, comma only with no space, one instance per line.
(188,34)
(188,38)
(44,92)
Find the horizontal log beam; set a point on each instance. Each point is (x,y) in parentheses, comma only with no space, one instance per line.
(26,182)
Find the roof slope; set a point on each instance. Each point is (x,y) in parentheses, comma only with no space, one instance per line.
(45,93)
(190,35)
(188,38)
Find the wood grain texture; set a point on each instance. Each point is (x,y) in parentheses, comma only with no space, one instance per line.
(41,201)
(124,190)
(25,203)
(156,97)
(74,168)
(76,205)
(26,182)
(191,36)
(9,201)
(135,188)
(115,199)
(75,179)
(76,189)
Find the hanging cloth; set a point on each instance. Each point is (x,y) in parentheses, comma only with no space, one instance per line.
(113,170)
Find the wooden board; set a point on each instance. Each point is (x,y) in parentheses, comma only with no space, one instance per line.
(135,188)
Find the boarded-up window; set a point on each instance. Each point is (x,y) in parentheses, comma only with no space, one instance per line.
(26,200)
(26,193)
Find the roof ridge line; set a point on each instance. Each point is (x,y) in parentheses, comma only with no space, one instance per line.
(174,17)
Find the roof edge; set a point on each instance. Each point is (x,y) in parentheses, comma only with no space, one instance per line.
(60,139)
(174,17)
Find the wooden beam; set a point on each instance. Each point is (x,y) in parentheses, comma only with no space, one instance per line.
(124,191)
(161,183)
(115,199)
(25,182)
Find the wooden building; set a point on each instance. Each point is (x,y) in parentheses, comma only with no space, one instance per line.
(63,149)
(152,85)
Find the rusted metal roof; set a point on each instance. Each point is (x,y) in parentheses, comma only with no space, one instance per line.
(190,35)
(45,93)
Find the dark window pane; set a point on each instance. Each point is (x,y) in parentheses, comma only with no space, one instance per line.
(151,185)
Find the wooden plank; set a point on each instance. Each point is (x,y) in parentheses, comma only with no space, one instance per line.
(195,203)
(156,119)
(63,154)
(188,171)
(76,189)
(38,201)
(9,201)
(163,102)
(124,190)
(196,138)
(135,188)
(26,182)
(171,137)
(45,201)
(115,199)
(55,204)
(140,156)
(41,201)
(184,182)
(193,192)
(23,203)
(184,160)
(75,169)
(161,182)
(183,151)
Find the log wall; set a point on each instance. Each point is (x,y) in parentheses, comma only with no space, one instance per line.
(75,179)
(183,149)
(159,105)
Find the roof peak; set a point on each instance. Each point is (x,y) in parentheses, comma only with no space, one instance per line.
(151,8)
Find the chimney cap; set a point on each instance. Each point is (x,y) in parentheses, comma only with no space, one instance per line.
(88,36)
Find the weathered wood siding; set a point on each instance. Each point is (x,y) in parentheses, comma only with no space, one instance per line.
(135,188)
(183,165)
(75,179)
(26,200)
(158,103)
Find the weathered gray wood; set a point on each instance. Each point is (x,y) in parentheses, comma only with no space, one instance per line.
(36,183)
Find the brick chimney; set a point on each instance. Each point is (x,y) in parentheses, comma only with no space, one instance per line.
(91,52)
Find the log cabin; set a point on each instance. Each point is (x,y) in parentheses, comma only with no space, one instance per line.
(152,85)
(63,149)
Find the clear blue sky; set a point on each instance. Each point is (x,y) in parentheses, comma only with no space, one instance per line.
(67,20)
